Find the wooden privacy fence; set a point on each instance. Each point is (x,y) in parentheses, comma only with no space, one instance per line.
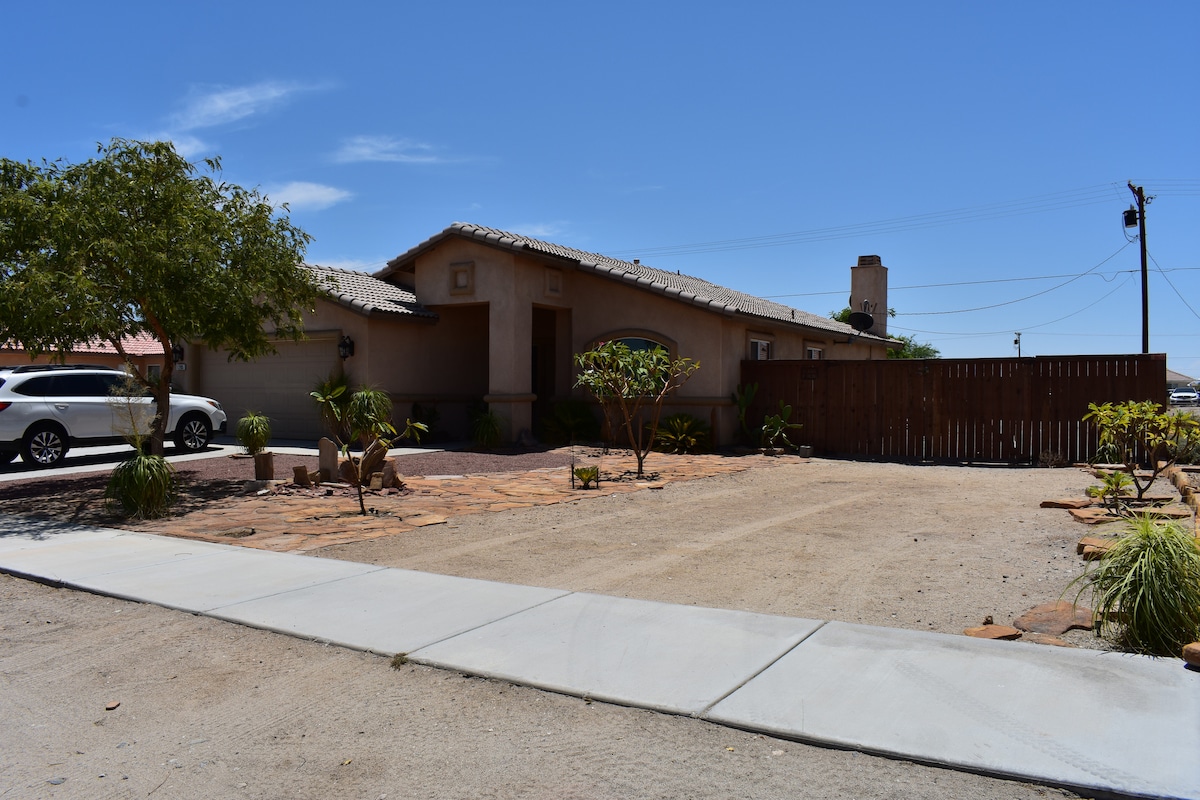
(985,410)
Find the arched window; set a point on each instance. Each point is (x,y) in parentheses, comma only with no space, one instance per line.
(641,343)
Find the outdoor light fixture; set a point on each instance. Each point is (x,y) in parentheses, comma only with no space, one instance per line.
(177,352)
(345,347)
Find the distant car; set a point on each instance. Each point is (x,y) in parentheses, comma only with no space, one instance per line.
(1185,396)
(46,410)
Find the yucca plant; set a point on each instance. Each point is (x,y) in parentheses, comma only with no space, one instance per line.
(1145,591)
(253,432)
(142,486)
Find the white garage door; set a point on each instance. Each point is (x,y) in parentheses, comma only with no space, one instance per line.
(276,386)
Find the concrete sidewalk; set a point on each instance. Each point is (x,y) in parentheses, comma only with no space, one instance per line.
(1090,721)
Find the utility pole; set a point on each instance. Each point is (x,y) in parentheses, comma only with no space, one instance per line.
(1140,195)
(1017,342)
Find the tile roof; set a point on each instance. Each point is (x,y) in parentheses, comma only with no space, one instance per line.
(368,295)
(685,288)
(143,344)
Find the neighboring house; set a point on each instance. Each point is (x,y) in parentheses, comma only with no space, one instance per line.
(476,315)
(144,350)
(1177,380)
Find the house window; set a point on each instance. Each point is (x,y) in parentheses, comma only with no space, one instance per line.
(814,353)
(462,278)
(553,283)
(760,350)
(154,372)
(641,343)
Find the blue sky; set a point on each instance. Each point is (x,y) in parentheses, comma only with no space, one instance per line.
(982,150)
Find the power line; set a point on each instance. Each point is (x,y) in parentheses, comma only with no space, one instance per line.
(1071,198)
(1020,299)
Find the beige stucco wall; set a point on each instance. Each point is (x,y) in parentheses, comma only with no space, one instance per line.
(512,284)
(480,347)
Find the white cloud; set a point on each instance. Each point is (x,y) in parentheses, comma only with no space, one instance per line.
(223,106)
(386,148)
(301,195)
(188,146)
(540,230)
(352,264)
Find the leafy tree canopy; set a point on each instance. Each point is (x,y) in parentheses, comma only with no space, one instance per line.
(912,348)
(632,382)
(141,241)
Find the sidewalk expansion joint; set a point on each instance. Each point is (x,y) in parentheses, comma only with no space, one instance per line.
(704,711)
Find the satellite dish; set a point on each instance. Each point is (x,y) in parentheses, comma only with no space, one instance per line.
(861,321)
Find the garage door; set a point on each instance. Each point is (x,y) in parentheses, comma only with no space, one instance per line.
(277,385)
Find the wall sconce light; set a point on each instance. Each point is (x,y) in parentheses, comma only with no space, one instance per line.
(345,347)
(176,352)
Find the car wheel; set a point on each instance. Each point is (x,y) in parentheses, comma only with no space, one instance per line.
(44,445)
(193,433)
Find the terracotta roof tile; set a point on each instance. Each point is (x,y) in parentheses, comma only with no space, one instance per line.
(368,295)
(671,284)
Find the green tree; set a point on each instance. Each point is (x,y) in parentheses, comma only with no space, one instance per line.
(635,383)
(139,241)
(1142,430)
(912,348)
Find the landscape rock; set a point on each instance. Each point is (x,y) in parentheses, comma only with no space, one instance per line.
(1191,654)
(1093,515)
(1055,618)
(1045,638)
(327,459)
(301,476)
(1067,502)
(389,474)
(1097,543)
(994,632)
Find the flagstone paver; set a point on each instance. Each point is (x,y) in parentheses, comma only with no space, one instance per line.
(308,520)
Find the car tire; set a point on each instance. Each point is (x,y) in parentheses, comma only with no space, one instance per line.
(44,445)
(193,433)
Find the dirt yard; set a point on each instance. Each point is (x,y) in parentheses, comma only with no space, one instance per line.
(209,709)
(924,547)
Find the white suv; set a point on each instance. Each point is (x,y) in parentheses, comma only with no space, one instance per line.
(47,409)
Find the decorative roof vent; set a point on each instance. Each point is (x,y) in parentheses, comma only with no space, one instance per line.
(870,261)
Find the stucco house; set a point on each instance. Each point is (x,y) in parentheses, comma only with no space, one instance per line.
(144,350)
(475,314)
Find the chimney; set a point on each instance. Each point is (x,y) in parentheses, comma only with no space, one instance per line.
(868,291)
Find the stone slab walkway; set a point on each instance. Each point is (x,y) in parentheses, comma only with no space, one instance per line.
(299,522)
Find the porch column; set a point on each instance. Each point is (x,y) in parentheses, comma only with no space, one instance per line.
(510,347)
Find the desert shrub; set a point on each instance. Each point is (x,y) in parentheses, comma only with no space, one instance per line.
(776,426)
(570,421)
(682,433)
(429,416)
(253,432)
(587,476)
(485,428)
(142,486)
(1145,591)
